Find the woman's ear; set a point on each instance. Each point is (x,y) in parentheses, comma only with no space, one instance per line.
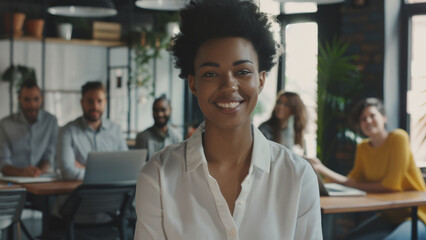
(191,83)
(262,77)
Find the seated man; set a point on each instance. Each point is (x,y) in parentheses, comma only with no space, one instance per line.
(28,138)
(87,133)
(161,134)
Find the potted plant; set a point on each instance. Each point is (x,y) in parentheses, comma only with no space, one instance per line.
(15,76)
(339,82)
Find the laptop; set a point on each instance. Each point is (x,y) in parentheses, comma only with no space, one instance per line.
(335,189)
(114,167)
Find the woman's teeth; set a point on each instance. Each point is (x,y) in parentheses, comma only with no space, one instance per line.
(228,105)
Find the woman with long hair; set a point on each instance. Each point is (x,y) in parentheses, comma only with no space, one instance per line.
(288,121)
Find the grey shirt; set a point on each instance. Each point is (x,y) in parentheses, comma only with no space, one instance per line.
(77,139)
(154,140)
(23,144)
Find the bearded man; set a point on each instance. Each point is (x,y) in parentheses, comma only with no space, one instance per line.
(28,137)
(87,133)
(161,134)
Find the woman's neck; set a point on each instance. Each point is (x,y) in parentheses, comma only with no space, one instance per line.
(283,123)
(378,139)
(226,146)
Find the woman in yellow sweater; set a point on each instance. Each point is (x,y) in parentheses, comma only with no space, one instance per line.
(383,163)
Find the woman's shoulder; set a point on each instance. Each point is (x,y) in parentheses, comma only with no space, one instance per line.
(283,158)
(398,137)
(398,133)
(167,158)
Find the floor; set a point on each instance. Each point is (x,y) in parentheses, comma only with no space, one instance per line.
(32,221)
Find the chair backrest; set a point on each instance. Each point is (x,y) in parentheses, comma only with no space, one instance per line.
(98,198)
(11,204)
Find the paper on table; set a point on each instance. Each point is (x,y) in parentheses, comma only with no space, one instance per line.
(27,179)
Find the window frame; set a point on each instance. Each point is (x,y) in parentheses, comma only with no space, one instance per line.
(408,10)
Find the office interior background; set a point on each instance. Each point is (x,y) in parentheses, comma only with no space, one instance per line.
(384,40)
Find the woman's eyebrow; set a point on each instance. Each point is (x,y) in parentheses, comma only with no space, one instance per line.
(241,62)
(210,64)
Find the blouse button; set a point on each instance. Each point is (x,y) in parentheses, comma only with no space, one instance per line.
(233,232)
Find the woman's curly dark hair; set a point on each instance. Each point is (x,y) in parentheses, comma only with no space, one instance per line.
(202,20)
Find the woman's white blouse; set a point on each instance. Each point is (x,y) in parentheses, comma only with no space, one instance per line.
(176,198)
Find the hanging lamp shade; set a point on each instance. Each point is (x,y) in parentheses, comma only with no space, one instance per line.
(313,1)
(165,5)
(83,8)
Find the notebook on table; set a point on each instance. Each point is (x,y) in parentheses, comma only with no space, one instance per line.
(40,179)
(335,189)
(114,167)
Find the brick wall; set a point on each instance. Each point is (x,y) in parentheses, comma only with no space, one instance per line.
(363,28)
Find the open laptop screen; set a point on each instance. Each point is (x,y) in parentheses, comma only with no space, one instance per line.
(114,167)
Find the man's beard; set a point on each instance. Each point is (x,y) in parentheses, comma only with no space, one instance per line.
(89,118)
(160,124)
(28,114)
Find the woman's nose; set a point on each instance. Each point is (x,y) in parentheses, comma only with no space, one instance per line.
(229,82)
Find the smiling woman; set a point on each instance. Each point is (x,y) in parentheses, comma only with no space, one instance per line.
(227,177)
(383,163)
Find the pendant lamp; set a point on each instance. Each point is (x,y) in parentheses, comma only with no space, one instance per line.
(83,8)
(165,5)
(313,1)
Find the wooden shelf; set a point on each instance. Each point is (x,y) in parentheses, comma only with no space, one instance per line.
(89,42)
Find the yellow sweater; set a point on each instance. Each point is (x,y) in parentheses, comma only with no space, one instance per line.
(391,164)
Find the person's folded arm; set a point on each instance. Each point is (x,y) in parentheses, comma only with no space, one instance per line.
(332,176)
(66,157)
(49,154)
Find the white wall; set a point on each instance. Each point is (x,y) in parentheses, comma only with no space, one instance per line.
(69,66)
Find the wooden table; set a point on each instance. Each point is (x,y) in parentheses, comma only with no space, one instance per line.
(45,192)
(51,188)
(376,202)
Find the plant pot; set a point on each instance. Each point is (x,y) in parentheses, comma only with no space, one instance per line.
(18,23)
(34,27)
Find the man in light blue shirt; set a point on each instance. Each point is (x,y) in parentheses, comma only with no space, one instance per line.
(87,133)
(28,138)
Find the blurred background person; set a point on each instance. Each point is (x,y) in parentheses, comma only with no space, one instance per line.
(87,133)
(383,163)
(288,122)
(28,138)
(161,134)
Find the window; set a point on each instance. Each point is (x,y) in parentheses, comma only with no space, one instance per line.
(301,49)
(416,92)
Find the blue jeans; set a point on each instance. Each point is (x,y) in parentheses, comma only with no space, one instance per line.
(377,228)
(404,230)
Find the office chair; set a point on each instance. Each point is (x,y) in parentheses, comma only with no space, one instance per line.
(94,199)
(11,204)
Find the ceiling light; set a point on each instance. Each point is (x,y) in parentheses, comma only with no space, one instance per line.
(83,8)
(313,1)
(165,5)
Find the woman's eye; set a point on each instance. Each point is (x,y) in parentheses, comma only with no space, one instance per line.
(210,74)
(243,72)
